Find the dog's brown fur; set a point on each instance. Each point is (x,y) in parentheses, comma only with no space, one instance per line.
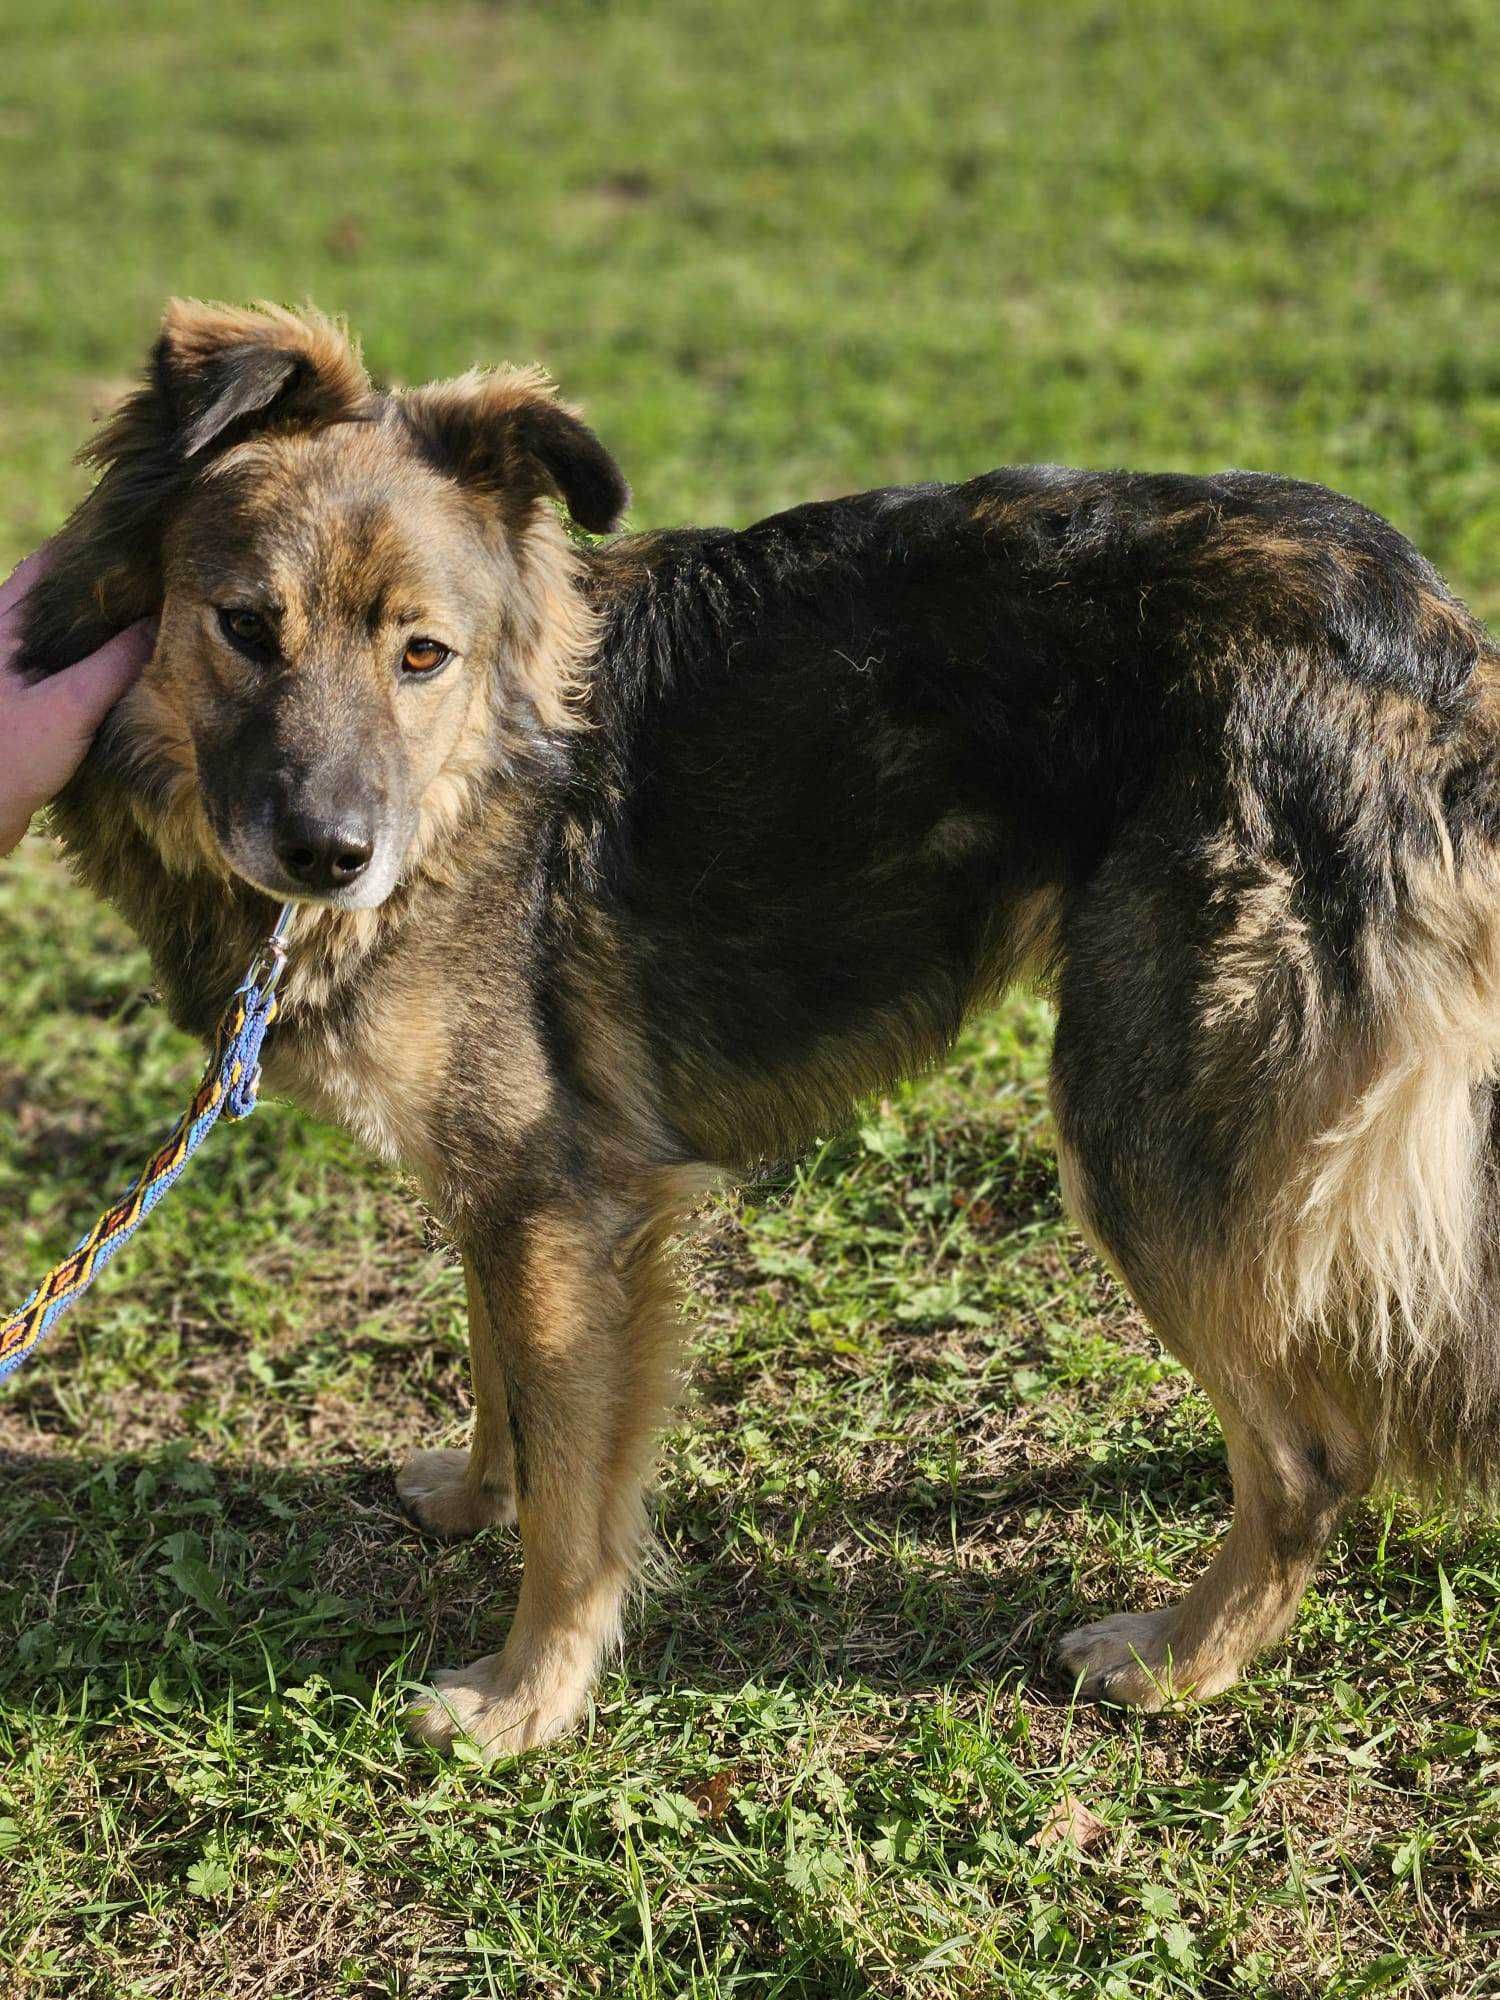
(704,834)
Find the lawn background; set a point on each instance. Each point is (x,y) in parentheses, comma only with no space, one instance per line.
(778,251)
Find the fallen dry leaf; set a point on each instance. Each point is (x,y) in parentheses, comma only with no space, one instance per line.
(713,1796)
(1070,1820)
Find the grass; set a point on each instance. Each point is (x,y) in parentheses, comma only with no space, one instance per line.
(779,251)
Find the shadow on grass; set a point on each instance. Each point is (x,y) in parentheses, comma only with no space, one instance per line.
(226,1574)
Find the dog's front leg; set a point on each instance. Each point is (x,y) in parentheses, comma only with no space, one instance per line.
(454,1492)
(561,1321)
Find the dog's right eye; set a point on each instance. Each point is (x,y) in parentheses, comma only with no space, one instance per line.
(242,627)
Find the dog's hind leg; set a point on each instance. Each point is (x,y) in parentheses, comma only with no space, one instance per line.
(1184,1111)
(456,1492)
(1296,1464)
(582,1313)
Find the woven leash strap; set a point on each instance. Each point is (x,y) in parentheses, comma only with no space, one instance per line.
(229,1090)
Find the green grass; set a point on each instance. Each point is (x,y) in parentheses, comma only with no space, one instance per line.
(778,250)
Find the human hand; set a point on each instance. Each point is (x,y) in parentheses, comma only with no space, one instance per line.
(46,729)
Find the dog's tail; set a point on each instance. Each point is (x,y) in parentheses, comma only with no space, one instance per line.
(1379,1171)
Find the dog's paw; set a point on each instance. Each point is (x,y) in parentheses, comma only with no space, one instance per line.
(435,1490)
(490,1708)
(1126,1658)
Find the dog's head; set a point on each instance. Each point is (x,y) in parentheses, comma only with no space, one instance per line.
(363,597)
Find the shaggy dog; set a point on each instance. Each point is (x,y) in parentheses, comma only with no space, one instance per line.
(624,865)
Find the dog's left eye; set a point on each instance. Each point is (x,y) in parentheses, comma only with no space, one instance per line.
(424,656)
(243,626)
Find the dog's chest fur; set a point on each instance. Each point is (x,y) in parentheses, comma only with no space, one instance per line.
(378,1071)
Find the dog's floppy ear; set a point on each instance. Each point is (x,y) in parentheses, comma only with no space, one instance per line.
(214,365)
(215,373)
(506,433)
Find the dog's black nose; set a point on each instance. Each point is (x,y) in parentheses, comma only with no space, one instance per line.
(322,854)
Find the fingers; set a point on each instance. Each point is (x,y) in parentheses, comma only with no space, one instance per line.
(47,729)
(82,695)
(47,726)
(13,594)
(118,660)
(21,579)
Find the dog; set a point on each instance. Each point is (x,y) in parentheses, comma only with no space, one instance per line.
(624,864)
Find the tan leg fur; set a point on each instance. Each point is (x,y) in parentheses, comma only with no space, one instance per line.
(457,1493)
(578,1333)
(1295,1463)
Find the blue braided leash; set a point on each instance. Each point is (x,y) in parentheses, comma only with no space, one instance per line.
(230,1087)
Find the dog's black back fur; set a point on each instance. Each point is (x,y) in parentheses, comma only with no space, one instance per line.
(836,751)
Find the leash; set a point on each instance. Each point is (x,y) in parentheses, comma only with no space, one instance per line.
(229,1089)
